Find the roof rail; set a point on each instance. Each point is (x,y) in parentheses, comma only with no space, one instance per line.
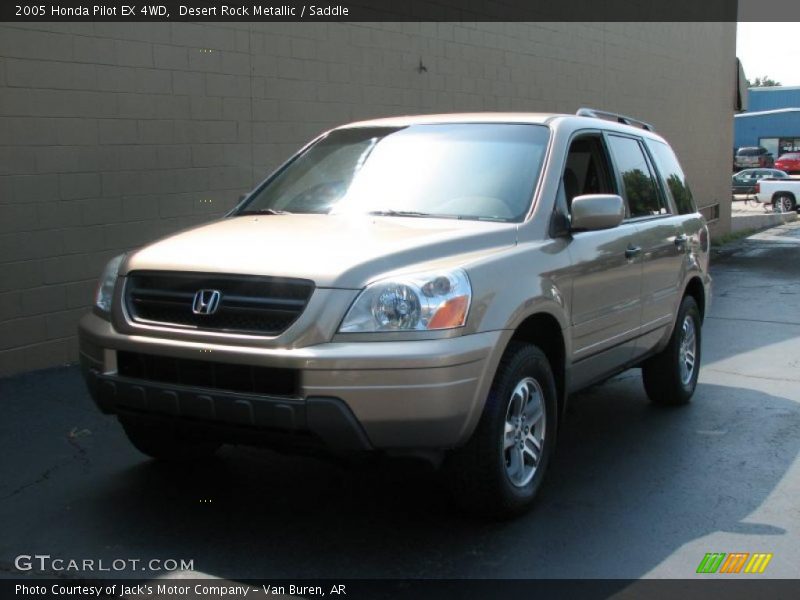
(610,116)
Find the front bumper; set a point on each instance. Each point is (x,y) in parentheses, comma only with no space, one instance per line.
(399,395)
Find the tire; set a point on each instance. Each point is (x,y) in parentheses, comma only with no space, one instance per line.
(668,380)
(165,443)
(487,477)
(783,203)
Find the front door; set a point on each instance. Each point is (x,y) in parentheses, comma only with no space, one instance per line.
(606,294)
(607,271)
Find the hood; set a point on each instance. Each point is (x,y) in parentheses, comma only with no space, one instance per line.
(336,251)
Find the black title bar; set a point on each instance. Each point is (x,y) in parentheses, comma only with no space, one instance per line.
(401,10)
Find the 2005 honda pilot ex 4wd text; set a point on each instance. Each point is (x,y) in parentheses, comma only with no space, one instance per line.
(433,286)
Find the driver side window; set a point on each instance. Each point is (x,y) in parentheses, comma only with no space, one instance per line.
(587,169)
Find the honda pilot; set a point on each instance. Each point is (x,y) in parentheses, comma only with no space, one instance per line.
(428,286)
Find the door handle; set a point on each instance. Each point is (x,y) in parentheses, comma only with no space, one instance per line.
(632,252)
(680,240)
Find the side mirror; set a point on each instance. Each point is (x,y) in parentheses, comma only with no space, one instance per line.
(597,211)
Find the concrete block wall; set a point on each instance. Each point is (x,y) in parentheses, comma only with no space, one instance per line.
(113,134)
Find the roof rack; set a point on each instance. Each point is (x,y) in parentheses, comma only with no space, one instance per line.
(609,116)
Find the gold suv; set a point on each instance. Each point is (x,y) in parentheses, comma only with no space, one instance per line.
(432,286)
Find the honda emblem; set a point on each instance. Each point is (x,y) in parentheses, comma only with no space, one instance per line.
(206,302)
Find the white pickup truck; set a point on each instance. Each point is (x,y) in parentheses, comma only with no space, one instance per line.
(782,194)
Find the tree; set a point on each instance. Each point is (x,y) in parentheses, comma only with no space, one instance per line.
(640,191)
(763,82)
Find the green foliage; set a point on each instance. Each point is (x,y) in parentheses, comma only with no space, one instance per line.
(763,82)
(680,193)
(641,192)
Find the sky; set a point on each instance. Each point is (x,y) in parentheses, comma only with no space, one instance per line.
(770,49)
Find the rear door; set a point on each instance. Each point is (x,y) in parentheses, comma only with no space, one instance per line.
(666,243)
(660,236)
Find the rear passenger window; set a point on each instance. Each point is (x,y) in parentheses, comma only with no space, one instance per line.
(673,175)
(638,182)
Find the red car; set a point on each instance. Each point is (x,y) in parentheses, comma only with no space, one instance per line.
(789,162)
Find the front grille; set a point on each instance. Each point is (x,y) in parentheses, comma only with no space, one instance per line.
(247,304)
(248,379)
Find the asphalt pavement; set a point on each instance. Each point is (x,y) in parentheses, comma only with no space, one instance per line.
(634,490)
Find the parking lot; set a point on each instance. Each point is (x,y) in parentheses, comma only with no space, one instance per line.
(634,491)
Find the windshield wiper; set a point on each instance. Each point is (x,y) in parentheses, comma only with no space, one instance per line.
(409,213)
(262,211)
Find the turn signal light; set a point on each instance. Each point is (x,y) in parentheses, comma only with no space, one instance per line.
(453,313)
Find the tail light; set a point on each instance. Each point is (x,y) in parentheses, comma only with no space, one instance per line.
(758,187)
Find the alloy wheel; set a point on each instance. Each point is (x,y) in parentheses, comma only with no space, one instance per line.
(687,352)
(783,204)
(523,438)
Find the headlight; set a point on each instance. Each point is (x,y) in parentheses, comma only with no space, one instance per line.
(105,287)
(419,302)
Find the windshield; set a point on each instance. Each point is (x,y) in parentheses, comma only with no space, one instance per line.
(467,171)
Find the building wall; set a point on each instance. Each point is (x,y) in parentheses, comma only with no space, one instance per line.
(112,134)
(750,128)
(773,98)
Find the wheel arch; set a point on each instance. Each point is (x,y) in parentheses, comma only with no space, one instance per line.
(696,290)
(784,193)
(544,330)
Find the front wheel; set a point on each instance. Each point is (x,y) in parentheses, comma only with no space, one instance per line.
(670,377)
(500,470)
